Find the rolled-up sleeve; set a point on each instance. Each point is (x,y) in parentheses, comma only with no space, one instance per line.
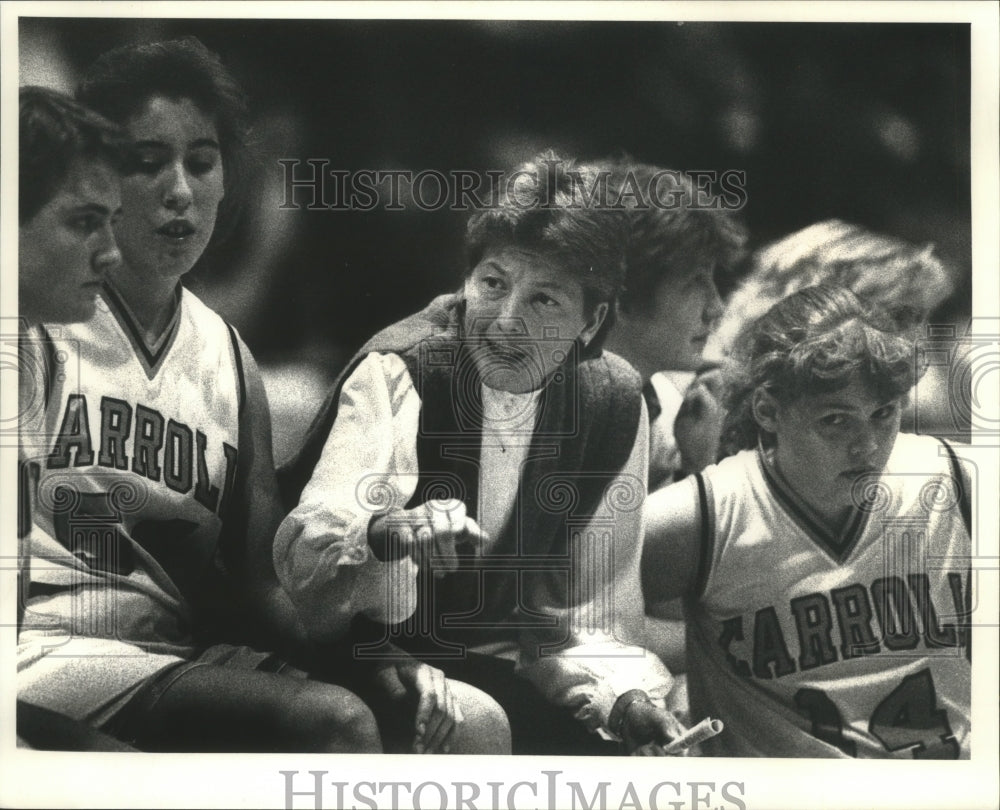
(602,658)
(367,467)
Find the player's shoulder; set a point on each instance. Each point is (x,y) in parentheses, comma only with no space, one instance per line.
(736,483)
(207,327)
(926,473)
(193,307)
(914,452)
(732,470)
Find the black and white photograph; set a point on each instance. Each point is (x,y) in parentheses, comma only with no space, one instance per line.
(416,402)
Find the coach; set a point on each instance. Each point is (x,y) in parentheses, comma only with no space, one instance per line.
(472,489)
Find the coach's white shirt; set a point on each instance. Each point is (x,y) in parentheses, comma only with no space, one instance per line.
(369,463)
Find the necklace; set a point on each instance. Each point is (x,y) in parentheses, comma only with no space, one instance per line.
(508,419)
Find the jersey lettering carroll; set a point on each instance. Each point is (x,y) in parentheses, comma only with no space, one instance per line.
(143,439)
(842,624)
(809,643)
(184,460)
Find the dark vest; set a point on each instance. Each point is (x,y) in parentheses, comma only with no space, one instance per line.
(588,415)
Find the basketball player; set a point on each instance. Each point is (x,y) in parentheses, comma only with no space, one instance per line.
(69,196)
(825,565)
(674,254)
(908,281)
(155,472)
(670,303)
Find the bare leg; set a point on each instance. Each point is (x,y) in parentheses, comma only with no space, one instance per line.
(485,730)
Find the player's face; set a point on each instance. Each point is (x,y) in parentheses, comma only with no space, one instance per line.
(171,199)
(523,313)
(68,246)
(828,443)
(678,321)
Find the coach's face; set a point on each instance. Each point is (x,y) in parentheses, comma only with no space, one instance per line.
(65,250)
(829,447)
(523,313)
(171,198)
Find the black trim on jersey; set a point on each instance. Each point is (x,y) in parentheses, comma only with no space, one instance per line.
(653,407)
(25,495)
(964,498)
(242,392)
(706,546)
(837,548)
(151,358)
(27,480)
(49,355)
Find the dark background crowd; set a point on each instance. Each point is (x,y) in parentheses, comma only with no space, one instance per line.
(868,123)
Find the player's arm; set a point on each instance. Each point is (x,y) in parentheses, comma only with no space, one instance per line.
(259,506)
(672,550)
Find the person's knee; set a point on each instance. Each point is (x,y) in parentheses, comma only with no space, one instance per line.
(335,720)
(485,729)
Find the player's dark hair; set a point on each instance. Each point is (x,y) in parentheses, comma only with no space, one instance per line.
(55,131)
(814,341)
(541,211)
(669,236)
(122,81)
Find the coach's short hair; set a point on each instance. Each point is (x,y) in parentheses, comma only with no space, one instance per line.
(55,132)
(668,235)
(906,281)
(542,211)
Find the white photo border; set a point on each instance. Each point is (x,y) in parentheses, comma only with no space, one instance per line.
(46,779)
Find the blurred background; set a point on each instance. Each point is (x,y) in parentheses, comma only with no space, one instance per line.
(868,123)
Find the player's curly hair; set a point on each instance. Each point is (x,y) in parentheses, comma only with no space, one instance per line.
(121,81)
(668,236)
(813,342)
(55,131)
(905,280)
(541,210)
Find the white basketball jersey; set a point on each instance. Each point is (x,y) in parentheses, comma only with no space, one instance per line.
(137,471)
(811,645)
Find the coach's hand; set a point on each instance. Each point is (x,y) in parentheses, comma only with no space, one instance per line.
(646,728)
(430,532)
(438,713)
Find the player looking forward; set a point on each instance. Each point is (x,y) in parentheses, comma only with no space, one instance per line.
(825,564)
